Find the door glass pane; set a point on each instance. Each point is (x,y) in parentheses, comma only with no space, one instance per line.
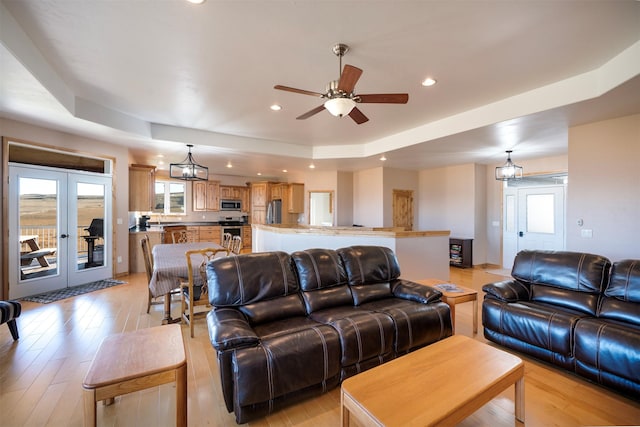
(38,219)
(91,208)
(510,213)
(540,212)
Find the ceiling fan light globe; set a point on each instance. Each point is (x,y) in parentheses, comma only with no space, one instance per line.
(340,107)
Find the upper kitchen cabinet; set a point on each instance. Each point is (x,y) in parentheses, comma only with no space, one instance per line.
(206,195)
(141,187)
(296,198)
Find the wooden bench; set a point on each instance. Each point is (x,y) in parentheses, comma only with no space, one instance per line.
(27,257)
(135,361)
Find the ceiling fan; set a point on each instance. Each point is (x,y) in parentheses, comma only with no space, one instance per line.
(340,96)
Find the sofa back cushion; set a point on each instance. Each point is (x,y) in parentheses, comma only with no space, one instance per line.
(622,296)
(262,285)
(370,271)
(573,280)
(322,279)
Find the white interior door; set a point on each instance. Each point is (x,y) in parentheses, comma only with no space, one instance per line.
(48,213)
(534,218)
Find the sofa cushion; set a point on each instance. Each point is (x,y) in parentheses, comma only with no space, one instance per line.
(608,352)
(622,295)
(363,334)
(415,324)
(578,277)
(256,281)
(286,362)
(369,264)
(540,325)
(322,278)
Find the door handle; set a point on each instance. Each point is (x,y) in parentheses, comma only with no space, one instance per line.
(520,233)
(64,236)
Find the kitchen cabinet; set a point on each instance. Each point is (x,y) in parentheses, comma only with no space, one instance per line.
(136,259)
(232,192)
(246,237)
(210,233)
(259,198)
(141,188)
(206,196)
(295,201)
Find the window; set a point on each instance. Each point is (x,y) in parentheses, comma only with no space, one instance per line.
(169,198)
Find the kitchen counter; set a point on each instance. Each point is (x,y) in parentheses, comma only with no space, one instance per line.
(421,254)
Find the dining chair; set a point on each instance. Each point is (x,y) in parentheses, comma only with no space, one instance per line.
(148,266)
(182,236)
(226,240)
(236,245)
(194,291)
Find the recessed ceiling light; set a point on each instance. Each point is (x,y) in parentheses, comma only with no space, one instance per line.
(229,165)
(196,1)
(312,166)
(276,107)
(284,170)
(429,81)
(259,174)
(383,158)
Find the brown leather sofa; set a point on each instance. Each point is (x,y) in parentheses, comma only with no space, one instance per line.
(287,327)
(574,310)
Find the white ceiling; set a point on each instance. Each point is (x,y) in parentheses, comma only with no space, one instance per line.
(157,74)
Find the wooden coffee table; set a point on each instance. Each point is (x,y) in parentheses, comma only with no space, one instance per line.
(440,384)
(453,298)
(134,361)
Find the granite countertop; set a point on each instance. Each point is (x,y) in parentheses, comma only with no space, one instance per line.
(158,228)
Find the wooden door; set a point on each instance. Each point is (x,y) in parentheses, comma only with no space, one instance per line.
(403,209)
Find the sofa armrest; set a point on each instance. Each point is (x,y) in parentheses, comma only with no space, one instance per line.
(229,329)
(413,291)
(507,290)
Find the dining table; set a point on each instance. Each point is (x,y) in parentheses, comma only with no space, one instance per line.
(170,268)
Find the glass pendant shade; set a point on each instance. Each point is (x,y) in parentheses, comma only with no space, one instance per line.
(340,106)
(509,170)
(188,169)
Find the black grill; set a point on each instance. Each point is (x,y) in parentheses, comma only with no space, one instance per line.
(96,229)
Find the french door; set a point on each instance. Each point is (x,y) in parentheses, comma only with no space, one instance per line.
(534,218)
(59,229)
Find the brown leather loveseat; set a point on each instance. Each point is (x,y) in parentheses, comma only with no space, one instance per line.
(575,310)
(287,327)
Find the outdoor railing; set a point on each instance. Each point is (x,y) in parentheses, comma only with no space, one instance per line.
(47,236)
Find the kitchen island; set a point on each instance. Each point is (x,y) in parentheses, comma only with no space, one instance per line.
(421,254)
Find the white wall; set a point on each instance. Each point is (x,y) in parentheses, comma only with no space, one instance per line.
(344,199)
(604,188)
(82,145)
(368,186)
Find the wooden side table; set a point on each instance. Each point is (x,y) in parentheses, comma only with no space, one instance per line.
(453,298)
(135,361)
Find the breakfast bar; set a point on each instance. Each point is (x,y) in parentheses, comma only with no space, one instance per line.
(420,253)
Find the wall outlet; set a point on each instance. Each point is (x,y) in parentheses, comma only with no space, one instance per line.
(119,259)
(586,233)
(119,221)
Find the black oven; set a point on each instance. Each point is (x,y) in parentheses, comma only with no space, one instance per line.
(231,229)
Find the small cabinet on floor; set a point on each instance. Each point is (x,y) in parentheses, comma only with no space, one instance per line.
(460,252)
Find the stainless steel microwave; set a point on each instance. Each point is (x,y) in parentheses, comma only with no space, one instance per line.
(230,205)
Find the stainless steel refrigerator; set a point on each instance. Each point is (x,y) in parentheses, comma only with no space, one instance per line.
(274,212)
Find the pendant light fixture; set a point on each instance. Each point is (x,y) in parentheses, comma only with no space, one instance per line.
(189,170)
(509,170)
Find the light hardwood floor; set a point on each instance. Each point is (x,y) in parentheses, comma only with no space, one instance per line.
(41,374)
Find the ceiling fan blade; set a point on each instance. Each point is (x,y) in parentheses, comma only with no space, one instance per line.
(310,113)
(385,98)
(302,91)
(357,116)
(349,78)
